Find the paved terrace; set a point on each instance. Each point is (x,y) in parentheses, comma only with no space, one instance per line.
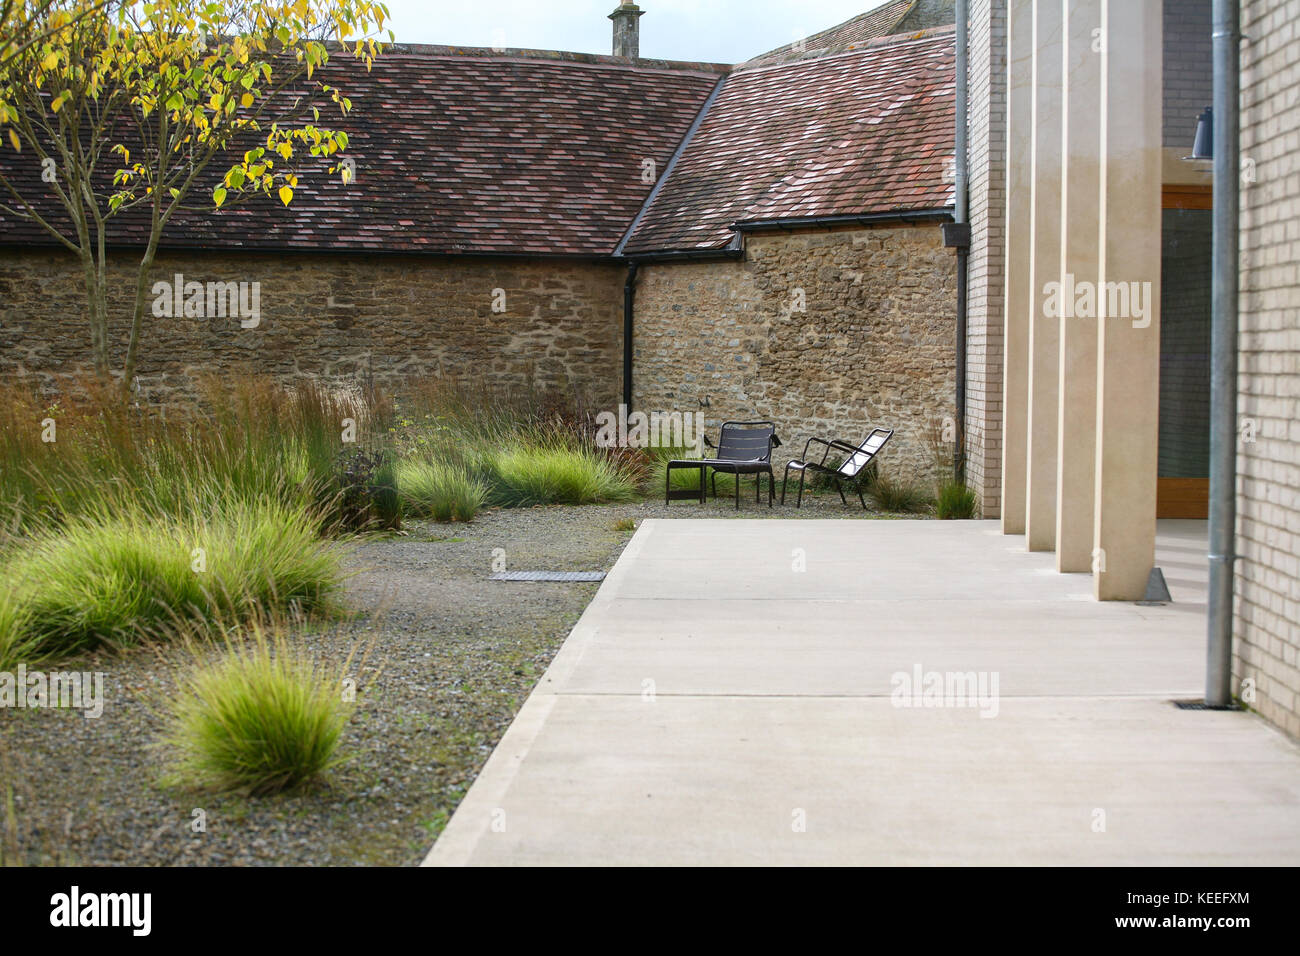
(712,699)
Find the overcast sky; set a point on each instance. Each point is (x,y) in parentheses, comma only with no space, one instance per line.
(714,31)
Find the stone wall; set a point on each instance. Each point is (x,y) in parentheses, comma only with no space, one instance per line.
(873,346)
(339,317)
(1267,645)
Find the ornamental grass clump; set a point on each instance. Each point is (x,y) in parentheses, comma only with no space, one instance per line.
(683,479)
(527,448)
(443,492)
(87,452)
(17,644)
(264,717)
(117,579)
(955,501)
(532,474)
(897,495)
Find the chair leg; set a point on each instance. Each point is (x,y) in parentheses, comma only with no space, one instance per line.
(758,486)
(841,491)
(860,498)
(771,487)
(785,480)
(799,501)
(736,479)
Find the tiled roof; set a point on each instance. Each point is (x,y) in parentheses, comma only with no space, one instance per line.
(848,35)
(462,151)
(856,133)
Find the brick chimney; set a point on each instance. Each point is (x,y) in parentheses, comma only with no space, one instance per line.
(627,32)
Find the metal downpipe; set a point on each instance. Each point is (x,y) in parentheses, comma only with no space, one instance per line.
(1223,352)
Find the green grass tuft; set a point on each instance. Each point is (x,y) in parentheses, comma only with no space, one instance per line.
(529,474)
(17,644)
(440,491)
(114,580)
(899,496)
(955,501)
(262,719)
(684,479)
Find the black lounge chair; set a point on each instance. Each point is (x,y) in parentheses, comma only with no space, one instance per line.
(851,469)
(744,448)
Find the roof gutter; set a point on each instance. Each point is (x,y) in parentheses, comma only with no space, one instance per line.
(735,248)
(732,250)
(788,223)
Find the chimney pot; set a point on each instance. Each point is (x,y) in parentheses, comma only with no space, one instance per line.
(627,32)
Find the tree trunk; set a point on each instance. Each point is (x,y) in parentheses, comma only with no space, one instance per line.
(97,312)
(137,319)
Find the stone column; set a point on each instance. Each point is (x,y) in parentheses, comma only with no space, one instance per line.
(1080,235)
(1018,305)
(1128,341)
(1044,268)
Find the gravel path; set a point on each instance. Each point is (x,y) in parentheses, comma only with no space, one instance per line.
(448,658)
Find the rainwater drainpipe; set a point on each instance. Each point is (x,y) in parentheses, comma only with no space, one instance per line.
(1223,352)
(957,233)
(629,295)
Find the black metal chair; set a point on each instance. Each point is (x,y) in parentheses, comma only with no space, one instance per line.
(851,469)
(744,448)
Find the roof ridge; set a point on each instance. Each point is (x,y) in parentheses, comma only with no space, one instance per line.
(451,51)
(753,66)
(672,164)
(831,30)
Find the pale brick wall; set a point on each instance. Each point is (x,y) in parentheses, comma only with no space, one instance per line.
(874,346)
(985,282)
(1267,626)
(409,316)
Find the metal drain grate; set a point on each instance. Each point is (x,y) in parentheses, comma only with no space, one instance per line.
(1201,705)
(548,576)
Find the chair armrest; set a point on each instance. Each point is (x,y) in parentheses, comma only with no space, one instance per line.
(820,441)
(845,446)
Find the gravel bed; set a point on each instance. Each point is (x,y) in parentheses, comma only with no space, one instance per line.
(444,659)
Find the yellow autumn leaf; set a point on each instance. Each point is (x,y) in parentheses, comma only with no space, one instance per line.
(286,194)
(13,138)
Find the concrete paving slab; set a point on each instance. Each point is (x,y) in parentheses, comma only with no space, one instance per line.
(736,781)
(715,705)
